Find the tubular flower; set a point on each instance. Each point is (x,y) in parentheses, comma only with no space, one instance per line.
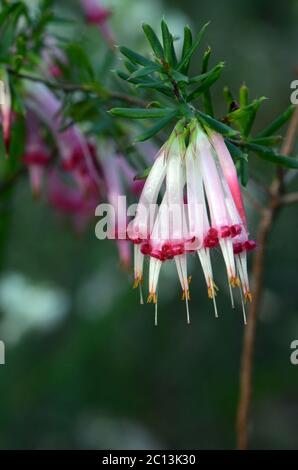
(5,107)
(201,208)
(96,13)
(76,154)
(36,156)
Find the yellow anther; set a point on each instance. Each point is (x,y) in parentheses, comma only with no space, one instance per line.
(152,297)
(138,280)
(234,281)
(186,295)
(248,296)
(212,289)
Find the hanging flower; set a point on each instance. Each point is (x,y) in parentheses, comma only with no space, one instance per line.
(96,13)
(36,156)
(203,173)
(5,107)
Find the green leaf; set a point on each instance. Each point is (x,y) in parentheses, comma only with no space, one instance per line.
(216,125)
(207,101)
(141,113)
(143,175)
(228,97)
(80,68)
(145,71)
(243,96)
(9,18)
(270,141)
(244,174)
(192,49)
(135,58)
(168,45)
(210,78)
(157,85)
(158,126)
(267,154)
(179,77)
(153,41)
(278,122)
(236,152)
(131,67)
(244,117)
(187,43)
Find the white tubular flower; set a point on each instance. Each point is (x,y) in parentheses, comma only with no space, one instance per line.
(214,214)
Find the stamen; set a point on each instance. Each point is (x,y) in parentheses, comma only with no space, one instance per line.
(243,307)
(187,308)
(248,296)
(155,314)
(141,294)
(152,298)
(231,295)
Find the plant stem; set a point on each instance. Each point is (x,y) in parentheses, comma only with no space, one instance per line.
(72,87)
(275,202)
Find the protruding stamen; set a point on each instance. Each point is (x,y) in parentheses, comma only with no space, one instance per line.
(141,294)
(243,307)
(231,295)
(155,314)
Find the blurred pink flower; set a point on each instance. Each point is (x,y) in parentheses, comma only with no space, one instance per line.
(36,156)
(96,13)
(76,154)
(67,199)
(5,108)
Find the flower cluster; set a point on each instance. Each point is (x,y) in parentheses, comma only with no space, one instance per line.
(201,208)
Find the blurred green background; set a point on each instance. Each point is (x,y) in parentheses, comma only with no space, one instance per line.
(85,366)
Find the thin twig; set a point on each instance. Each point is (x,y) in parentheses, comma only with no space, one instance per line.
(269,214)
(73,87)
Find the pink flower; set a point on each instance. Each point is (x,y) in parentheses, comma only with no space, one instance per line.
(96,13)
(36,156)
(67,199)
(114,168)
(76,154)
(5,108)
(204,175)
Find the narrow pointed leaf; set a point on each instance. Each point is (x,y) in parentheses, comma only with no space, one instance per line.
(179,77)
(270,141)
(154,41)
(243,96)
(217,125)
(168,45)
(143,72)
(210,78)
(207,101)
(141,113)
(236,152)
(193,48)
(135,57)
(278,122)
(187,43)
(267,154)
(228,97)
(244,117)
(155,129)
